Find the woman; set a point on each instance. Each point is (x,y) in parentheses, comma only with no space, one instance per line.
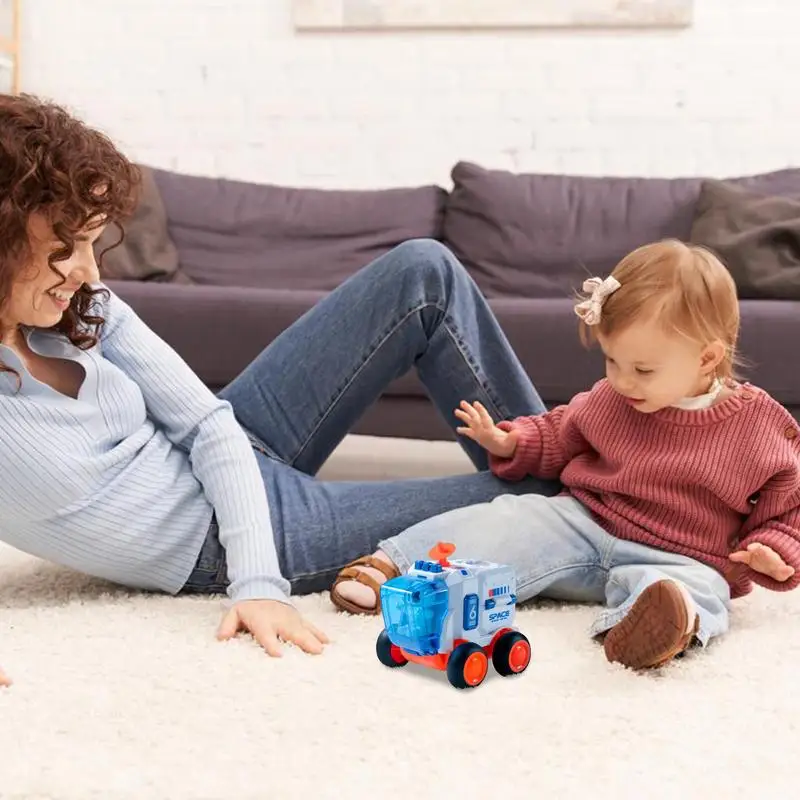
(121,464)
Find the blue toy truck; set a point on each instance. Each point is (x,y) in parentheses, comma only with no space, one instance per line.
(453,615)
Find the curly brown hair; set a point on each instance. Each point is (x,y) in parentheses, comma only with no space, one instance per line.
(53,164)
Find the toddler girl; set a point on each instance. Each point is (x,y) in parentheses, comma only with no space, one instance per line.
(681,485)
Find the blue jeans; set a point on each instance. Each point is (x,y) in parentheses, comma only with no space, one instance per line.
(415,307)
(560,552)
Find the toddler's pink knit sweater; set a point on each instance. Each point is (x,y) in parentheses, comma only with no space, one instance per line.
(702,483)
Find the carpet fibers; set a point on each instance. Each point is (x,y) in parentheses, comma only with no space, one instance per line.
(124,695)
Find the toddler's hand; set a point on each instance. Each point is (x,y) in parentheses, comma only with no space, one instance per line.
(4,679)
(765,560)
(481,429)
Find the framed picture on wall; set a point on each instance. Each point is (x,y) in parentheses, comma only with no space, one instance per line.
(411,14)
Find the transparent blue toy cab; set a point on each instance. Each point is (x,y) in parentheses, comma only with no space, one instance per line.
(413,611)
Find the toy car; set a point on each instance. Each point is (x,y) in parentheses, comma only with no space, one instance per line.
(453,615)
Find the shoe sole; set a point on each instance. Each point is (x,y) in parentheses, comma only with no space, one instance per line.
(653,631)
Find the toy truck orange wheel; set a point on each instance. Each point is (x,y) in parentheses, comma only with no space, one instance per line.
(511,654)
(467,666)
(389,654)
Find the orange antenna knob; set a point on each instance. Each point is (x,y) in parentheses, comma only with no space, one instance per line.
(441,551)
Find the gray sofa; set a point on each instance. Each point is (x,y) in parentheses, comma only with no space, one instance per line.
(250,259)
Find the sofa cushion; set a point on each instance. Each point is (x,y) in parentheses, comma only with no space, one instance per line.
(756,235)
(543,333)
(146,252)
(218,331)
(541,235)
(256,235)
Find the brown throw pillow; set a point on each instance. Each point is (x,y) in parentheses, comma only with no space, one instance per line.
(147,253)
(757,236)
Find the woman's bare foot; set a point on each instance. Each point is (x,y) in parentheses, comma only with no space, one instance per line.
(362,593)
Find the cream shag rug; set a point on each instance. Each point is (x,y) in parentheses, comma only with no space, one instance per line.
(122,695)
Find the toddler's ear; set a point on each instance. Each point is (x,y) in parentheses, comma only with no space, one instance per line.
(712,356)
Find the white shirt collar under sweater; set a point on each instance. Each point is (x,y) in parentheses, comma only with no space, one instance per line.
(701,401)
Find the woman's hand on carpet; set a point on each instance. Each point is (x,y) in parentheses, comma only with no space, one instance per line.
(481,428)
(4,679)
(765,560)
(270,622)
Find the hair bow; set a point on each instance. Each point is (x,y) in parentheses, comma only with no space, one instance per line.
(591,310)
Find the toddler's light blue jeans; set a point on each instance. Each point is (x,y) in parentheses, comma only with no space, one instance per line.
(560,552)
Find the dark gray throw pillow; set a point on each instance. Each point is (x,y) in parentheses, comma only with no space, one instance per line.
(757,236)
(147,253)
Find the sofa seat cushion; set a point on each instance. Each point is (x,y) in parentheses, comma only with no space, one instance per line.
(544,335)
(219,330)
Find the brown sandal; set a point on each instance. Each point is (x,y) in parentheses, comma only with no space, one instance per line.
(350,572)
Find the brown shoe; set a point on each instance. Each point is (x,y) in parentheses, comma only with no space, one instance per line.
(654,630)
(351,572)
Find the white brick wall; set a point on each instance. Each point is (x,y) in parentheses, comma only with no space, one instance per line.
(225,87)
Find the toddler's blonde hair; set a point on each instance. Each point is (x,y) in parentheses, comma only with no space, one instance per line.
(685,286)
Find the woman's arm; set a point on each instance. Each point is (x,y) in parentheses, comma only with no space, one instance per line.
(219,450)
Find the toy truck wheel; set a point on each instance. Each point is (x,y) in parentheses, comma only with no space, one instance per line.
(467,666)
(388,653)
(511,654)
